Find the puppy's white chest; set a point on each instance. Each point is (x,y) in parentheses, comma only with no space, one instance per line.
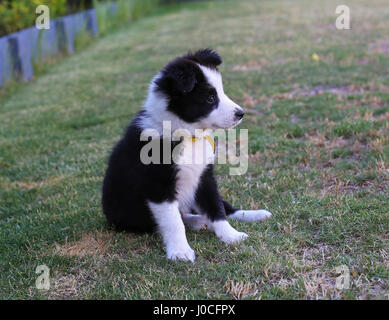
(194,158)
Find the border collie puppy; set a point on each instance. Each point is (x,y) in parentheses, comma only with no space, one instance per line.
(164,196)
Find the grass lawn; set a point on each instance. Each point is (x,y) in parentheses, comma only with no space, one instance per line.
(319,158)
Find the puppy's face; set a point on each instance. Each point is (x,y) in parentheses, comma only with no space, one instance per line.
(194,90)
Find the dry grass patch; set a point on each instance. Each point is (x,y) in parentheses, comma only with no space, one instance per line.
(381,46)
(95,244)
(383,167)
(249,101)
(340,91)
(252,65)
(241,290)
(334,184)
(321,141)
(372,101)
(29,185)
(368,115)
(257,65)
(71,286)
(320,285)
(337,90)
(371,288)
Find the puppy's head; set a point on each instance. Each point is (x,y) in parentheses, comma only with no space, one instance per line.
(193,88)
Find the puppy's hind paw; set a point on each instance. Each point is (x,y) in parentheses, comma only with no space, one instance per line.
(226,233)
(250,215)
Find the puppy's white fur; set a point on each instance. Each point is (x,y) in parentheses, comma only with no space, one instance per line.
(224,115)
(225,232)
(194,157)
(172,230)
(250,215)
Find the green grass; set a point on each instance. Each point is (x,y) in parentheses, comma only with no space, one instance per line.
(318,161)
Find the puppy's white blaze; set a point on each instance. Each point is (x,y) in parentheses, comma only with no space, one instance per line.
(188,178)
(172,229)
(195,156)
(250,215)
(225,232)
(224,115)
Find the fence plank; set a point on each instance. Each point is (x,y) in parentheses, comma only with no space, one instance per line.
(5,61)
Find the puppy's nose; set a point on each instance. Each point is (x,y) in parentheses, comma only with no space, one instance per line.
(239,113)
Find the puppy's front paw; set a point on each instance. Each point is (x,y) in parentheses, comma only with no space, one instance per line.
(233,237)
(184,253)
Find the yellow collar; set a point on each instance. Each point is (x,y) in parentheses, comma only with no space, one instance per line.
(208,138)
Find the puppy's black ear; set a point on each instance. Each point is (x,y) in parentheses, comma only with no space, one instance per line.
(178,77)
(206,57)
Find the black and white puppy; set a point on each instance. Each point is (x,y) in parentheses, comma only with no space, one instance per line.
(189,94)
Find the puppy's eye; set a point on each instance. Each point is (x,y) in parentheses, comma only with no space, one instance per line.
(211,99)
